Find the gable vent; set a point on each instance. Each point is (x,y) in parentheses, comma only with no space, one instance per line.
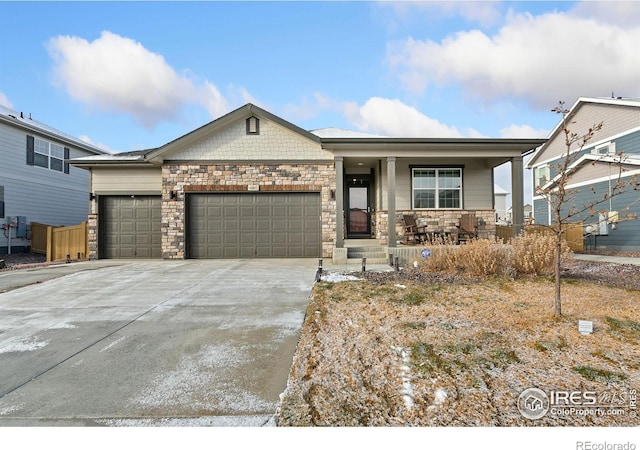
(253,125)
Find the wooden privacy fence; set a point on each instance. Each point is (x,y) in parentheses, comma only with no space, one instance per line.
(504,233)
(58,243)
(572,233)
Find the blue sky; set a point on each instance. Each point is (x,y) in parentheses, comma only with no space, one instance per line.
(132,75)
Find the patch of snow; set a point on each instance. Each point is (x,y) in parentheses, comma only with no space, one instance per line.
(114,343)
(335,277)
(401,286)
(209,421)
(405,375)
(10,409)
(62,325)
(204,372)
(440,396)
(23,346)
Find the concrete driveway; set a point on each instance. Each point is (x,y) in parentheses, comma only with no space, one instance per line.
(150,343)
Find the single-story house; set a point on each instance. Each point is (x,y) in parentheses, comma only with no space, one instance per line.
(37,184)
(612,156)
(250,184)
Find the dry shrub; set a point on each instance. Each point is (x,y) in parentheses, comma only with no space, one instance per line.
(479,257)
(484,257)
(526,254)
(534,253)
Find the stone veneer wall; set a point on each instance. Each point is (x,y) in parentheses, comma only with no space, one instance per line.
(440,220)
(299,177)
(92,235)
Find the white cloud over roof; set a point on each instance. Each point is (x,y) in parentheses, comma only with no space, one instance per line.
(116,73)
(529,57)
(393,117)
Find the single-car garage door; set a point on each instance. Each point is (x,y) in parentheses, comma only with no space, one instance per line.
(130,227)
(254,225)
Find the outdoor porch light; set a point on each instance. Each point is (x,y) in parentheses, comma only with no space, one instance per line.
(173,195)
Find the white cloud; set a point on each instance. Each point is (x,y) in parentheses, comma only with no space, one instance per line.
(116,73)
(309,108)
(537,58)
(620,13)
(4,101)
(391,117)
(485,13)
(101,146)
(523,131)
(240,95)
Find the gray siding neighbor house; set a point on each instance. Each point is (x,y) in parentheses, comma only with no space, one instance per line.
(37,184)
(612,156)
(252,185)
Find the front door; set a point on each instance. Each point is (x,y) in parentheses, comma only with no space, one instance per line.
(359,209)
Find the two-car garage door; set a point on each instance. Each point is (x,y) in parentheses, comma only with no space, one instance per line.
(254,225)
(218,225)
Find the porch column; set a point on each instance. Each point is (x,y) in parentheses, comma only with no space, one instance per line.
(517,194)
(391,202)
(339,201)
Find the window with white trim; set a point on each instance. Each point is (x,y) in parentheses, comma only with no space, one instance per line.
(48,155)
(542,175)
(607,149)
(435,188)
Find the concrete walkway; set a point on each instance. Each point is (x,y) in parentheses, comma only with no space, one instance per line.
(611,259)
(148,343)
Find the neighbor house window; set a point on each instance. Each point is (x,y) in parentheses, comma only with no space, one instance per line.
(47,154)
(542,175)
(437,188)
(1,202)
(607,149)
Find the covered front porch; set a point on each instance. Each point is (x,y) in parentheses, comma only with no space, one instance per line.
(379,180)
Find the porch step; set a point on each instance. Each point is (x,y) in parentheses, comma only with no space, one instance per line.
(370,261)
(368,255)
(374,255)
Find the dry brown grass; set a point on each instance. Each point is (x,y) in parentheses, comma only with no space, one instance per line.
(461,353)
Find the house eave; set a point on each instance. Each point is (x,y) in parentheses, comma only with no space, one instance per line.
(24,125)
(467,147)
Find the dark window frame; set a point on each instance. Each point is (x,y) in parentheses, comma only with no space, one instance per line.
(55,163)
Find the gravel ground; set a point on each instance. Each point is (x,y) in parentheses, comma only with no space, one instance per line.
(21,260)
(602,273)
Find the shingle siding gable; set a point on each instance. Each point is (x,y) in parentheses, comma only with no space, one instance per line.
(274,142)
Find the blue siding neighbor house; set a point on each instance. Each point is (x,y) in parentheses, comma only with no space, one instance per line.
(610,158)
(37,184)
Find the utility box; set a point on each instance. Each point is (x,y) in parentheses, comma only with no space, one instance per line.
(20,224)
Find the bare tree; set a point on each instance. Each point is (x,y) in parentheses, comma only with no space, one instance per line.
(557,193)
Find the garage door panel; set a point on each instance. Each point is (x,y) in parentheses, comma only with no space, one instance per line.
(247,225)
(263,225)
(211,226)
(130,227)
(127,214)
